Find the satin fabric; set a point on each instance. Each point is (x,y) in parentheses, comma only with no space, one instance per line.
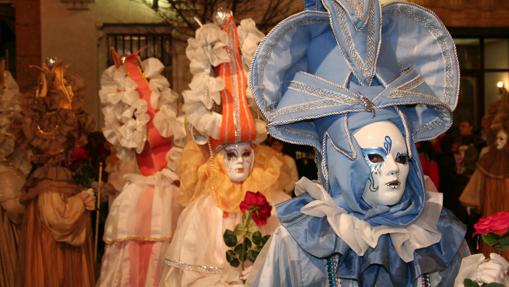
(297,253)
(138,230)
(305,43)
(146,209)
(133,263)
(199,241)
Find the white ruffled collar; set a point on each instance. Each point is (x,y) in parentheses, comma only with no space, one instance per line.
(360,235)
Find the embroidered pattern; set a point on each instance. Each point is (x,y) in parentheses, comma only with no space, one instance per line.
(191,267)
(367,68)
(449,59)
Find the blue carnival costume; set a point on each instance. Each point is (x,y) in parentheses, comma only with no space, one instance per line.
(318,77)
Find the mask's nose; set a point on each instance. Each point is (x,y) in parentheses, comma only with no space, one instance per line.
(391,167)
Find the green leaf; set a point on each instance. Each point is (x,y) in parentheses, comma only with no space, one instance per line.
(490,239)
(231,257)
(242,248)
(265,239)
(503,241)
(239,250)
(502,247)
(257,238)
(470,283)
(229,237)
(252,254)
(247,243)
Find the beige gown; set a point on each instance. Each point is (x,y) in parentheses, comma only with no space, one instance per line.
(11,217)
(58,246)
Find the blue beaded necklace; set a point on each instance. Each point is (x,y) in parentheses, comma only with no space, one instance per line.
(332,267)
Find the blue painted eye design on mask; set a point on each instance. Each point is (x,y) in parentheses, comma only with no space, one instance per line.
(402,158)
(376,156)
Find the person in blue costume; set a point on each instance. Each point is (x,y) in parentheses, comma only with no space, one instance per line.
(361,84)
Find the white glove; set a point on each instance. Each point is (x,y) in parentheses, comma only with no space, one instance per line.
(477,268)
(493,270)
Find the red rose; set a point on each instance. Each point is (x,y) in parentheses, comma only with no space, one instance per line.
(496,223)
(257,204)
(79,154)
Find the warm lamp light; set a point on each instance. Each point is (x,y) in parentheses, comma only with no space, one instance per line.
(500,84)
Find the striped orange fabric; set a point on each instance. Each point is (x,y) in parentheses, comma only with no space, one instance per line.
(237,124)
(153,157)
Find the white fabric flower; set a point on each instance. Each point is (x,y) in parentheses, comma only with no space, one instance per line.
(152,68)
(205,89)
(209,43)
(249,39)
(126,114)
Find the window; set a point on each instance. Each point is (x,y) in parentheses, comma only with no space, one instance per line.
(153,40)
(484,61)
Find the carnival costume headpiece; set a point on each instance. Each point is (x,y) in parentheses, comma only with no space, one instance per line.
(52,121)
(220,55)
(324,73)
(140,113)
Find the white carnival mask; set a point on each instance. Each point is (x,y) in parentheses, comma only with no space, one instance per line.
(501,140)
(238,160)
(384,149)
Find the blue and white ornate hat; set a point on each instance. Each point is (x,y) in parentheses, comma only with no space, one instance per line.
(341,56)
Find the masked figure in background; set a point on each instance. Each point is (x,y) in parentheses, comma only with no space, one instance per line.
(487,192)
(14,167)
(215,178)
(57,234)
(361,84)
(140,121)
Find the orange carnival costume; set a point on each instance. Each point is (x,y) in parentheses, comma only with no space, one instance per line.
(13,170)
(215,178)
(141,122)
(58,247)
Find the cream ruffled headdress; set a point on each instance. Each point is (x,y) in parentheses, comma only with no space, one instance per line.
(128,117)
